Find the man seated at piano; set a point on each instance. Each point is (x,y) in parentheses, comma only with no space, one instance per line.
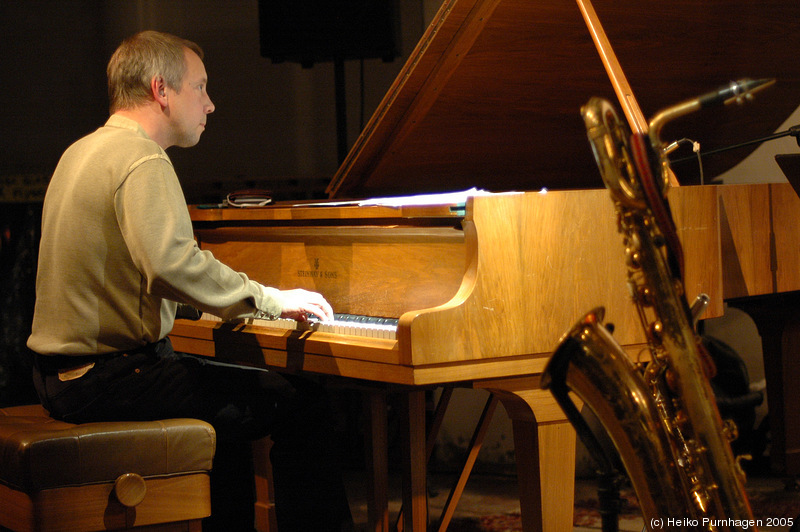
(117,255)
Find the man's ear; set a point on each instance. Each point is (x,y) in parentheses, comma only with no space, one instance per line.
(159,90)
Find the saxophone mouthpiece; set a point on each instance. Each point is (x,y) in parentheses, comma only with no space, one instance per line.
(739,92)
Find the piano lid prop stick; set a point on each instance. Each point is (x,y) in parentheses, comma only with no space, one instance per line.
(630,107)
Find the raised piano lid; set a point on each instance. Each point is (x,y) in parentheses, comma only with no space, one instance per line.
(490,96)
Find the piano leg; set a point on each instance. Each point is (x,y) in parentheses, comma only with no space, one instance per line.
(544,446)
(777,318)
(414,515)
(415,460)
(378,462)
(265,503)
(544,443)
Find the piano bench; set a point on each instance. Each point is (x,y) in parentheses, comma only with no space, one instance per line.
(101,476)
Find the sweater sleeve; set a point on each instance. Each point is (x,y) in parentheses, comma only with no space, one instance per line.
(155,223)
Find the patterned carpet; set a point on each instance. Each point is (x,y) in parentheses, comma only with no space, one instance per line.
(767,497)
(490,503)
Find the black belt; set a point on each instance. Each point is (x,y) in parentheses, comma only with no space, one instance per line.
(56,363)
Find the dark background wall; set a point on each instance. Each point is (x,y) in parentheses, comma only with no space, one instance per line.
(274,124)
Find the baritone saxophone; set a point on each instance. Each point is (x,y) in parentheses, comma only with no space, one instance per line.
(661,415)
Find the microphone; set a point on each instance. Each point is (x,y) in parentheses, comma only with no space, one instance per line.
(793,131)
(736,91)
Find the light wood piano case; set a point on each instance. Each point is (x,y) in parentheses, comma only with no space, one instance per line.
(483,289)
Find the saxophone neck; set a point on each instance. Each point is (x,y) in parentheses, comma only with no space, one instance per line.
(738,92)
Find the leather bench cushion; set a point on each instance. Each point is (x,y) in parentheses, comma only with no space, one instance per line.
(38,452)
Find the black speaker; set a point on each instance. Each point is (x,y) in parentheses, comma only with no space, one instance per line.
(312,31)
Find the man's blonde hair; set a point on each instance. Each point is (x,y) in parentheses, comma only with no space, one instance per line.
(138,59)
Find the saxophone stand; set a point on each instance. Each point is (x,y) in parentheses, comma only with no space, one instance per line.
(608,486)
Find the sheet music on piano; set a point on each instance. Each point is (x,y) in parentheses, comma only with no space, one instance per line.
(441,198)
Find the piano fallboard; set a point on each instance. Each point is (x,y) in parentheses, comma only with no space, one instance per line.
(368,260)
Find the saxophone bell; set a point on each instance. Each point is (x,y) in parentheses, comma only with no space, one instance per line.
(591,364)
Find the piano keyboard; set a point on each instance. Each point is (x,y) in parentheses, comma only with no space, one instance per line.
(350,324)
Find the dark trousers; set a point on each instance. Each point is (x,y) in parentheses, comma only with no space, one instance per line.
(241,404)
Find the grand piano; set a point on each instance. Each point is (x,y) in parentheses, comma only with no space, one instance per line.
(475,289)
